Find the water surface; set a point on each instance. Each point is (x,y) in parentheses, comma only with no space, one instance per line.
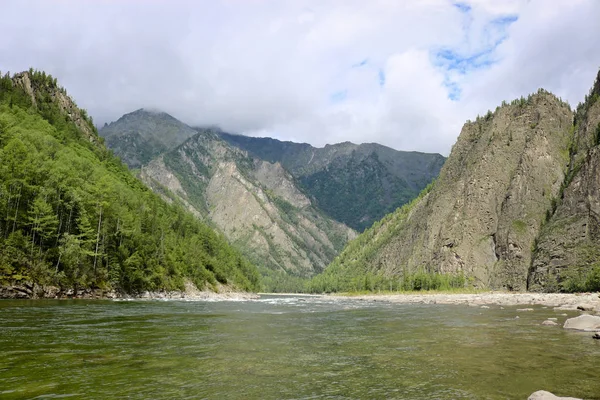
(287,348)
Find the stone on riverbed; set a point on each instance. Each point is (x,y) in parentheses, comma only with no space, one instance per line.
(588,323)
(587,307)
(543,395)
(549,323)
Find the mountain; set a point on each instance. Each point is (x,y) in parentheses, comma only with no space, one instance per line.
(479,222)
(568,250)
(72,216)
(142,135)
(354,184)
(255,203)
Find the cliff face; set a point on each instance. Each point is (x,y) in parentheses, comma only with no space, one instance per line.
(256,204)
(484,212)
(354,184)
(569,245)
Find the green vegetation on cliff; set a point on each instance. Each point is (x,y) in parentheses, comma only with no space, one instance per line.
(352,270)
(479,222)
(72,215)
(568,248)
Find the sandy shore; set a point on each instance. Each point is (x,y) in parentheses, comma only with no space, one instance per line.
(563,301)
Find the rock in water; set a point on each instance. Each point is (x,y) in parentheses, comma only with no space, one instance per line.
(589,323)
(549,323)
(543,395)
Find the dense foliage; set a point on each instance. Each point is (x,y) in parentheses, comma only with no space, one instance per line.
(72,215)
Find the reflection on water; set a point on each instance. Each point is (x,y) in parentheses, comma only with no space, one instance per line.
(287,347)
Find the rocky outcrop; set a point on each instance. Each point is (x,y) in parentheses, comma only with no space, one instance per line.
(255,203)
(43,89)
(31,290)
(568,249)
(485,211)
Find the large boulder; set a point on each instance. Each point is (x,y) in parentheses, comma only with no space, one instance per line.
(543,395)
(588,323)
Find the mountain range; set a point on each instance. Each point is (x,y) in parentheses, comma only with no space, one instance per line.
(515,206)
(290,208)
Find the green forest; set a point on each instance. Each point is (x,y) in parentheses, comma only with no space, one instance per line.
(72,215)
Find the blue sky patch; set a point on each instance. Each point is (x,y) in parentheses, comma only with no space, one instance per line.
(505,20)
(339,96)
(453,60)
(360,64)
(462,7)
(381,76)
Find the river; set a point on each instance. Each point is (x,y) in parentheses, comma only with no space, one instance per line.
(287,347)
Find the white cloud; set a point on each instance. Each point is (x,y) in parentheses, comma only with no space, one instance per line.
(285,69)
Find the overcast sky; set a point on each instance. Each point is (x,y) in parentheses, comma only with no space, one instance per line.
(403,73)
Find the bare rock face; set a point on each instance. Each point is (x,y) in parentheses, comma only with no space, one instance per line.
(569,245)
(255,203)
(486,209)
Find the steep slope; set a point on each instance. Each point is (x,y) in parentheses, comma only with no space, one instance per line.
(483,214)
(73,216)
(254,202)
(140,136)
(354,184)
(568,250)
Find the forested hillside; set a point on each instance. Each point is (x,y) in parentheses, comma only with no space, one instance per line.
(73,216)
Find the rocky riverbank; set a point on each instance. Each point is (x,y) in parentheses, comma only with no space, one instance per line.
(589,302)
(28,290)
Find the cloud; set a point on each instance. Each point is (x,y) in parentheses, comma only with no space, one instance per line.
(406,74)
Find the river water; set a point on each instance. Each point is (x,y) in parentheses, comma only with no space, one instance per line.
(280,347)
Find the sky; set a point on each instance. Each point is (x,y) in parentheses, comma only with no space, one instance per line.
(403,73)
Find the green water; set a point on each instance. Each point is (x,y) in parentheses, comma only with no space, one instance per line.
(287,348)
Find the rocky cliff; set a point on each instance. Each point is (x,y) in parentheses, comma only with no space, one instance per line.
(354,184)
(255,203)
(482,216)
(568,250)
(53,102)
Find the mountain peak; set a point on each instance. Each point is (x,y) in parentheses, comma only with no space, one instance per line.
(139,136)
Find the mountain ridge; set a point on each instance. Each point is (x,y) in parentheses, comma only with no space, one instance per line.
(345,178)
